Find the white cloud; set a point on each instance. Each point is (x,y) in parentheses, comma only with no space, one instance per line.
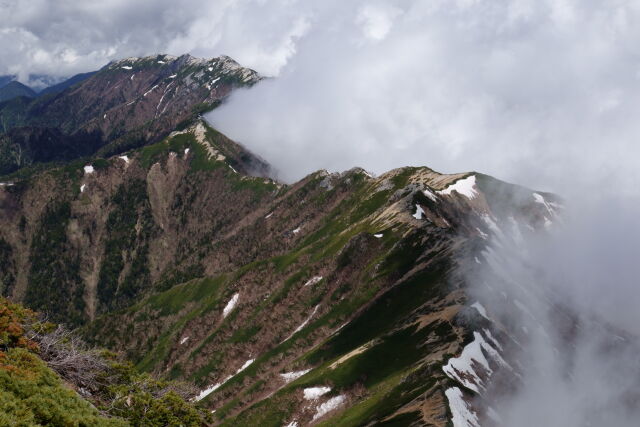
(524,90)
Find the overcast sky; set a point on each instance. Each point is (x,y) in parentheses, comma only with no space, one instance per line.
(527,90)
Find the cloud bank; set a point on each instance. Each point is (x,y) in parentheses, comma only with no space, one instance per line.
(525,90)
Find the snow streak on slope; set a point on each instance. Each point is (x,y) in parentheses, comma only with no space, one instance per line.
(461,415)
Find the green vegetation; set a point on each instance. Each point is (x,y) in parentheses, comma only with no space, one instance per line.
(130,226)
(53,261)
(33,394)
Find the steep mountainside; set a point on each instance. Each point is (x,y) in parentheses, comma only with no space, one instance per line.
(337,296)
(341,299)
(126,104)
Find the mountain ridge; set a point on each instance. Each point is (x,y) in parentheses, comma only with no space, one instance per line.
(340,299)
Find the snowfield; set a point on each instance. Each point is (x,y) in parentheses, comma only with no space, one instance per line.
(464,187)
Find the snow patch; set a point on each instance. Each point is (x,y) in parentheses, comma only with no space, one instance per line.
(207,391)
(430,195)
(292,424)
(464,187)
(419,213)
(126,67)
(462,368)
(88,169)
(184,340)
(329,406)
(292,376)
(268,216)
(378,236)
(312,281)
(245,366)
(296,231)
(461,415)
(313,393)
(186,151)
(82,187)
(125,158)
(230,305)
(173,76)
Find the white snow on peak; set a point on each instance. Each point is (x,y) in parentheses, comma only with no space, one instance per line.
(126,67)
(292,376)
(419,213)
(313,393)
(480,309)
(161,62)
(461,415)
(312,281)
(230,305)
(328,406)
(88,169)
(82,187)
(464,187)
(125,158)
(378,236)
